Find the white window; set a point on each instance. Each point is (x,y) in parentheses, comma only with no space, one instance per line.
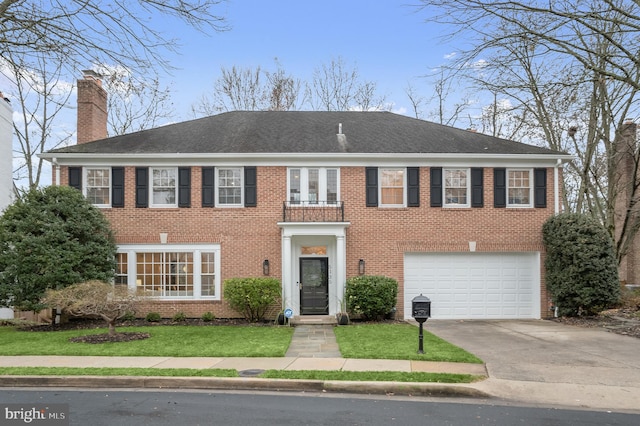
(229,187)
(170,271)
(164,186)
(392,187)
(97,188)
(519,188)
(456,187)
(313,186)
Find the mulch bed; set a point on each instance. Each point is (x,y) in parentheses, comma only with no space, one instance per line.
(619,321)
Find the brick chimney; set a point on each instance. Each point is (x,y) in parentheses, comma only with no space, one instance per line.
(92,108)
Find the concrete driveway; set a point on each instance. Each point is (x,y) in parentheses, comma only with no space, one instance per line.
(546,362)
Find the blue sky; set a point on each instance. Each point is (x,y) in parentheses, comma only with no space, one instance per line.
(387,41)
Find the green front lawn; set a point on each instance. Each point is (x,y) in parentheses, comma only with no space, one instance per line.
(175,341)
(397,341)
(382,341)
(369,341)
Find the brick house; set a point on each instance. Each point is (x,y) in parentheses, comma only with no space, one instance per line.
(314,198)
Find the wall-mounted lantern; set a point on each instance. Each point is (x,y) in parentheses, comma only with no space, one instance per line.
(361,267)
(163,237)
(265,267)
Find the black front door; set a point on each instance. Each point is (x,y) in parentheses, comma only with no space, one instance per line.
(314,286)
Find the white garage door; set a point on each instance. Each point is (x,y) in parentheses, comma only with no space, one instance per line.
(474,285)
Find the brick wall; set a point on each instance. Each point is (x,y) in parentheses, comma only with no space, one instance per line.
(381,236)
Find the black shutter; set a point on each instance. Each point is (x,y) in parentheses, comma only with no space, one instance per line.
(75,177)
(436,186)
(477,188)
(184,186)
(117,187)
(413,186)
(142,187)
(250,187)
(540,188)
(208,186)
(371,182)
(499,187)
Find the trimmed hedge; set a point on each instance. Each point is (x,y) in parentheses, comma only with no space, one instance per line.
(581,266)
(372,296)
(252,296)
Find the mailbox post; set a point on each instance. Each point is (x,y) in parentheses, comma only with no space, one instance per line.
(421,311)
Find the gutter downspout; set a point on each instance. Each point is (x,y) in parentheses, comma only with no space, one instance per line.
(56,166)
(556,187)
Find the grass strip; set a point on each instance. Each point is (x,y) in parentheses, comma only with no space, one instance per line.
(110,371)
(397,341)
(359,376)
(371,376)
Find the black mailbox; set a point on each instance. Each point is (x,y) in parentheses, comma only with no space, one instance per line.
(421,308)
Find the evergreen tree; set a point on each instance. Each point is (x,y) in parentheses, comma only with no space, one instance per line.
(49,239)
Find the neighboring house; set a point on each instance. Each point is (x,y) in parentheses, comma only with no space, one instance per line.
(314,198)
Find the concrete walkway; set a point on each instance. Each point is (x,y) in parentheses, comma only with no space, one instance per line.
(314,341)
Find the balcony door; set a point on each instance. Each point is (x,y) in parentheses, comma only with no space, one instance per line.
(314,286)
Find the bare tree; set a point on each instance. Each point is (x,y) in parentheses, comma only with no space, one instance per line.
(415,98)
(41,96)
(73,32)
(573,70)
(248,89)
(283,90)
(134,104)
(336,87)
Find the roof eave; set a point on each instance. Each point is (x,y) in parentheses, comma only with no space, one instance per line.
(279,157)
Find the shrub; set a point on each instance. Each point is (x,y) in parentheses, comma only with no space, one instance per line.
(208,316)
(153,317)
(94,298)
(252,296)
(51,238)
(179,317)
(129,316)
(581,266)
(372,296)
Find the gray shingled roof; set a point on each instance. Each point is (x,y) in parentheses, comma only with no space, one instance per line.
(245,132)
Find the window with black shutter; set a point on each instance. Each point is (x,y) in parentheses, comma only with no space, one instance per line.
(371,178)
(117,187)
(436,186)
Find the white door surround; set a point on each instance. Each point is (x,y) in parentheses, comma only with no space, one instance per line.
(296,236)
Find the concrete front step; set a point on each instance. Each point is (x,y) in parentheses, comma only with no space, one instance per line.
(314,320)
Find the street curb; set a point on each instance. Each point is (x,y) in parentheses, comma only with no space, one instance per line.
(242,383)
